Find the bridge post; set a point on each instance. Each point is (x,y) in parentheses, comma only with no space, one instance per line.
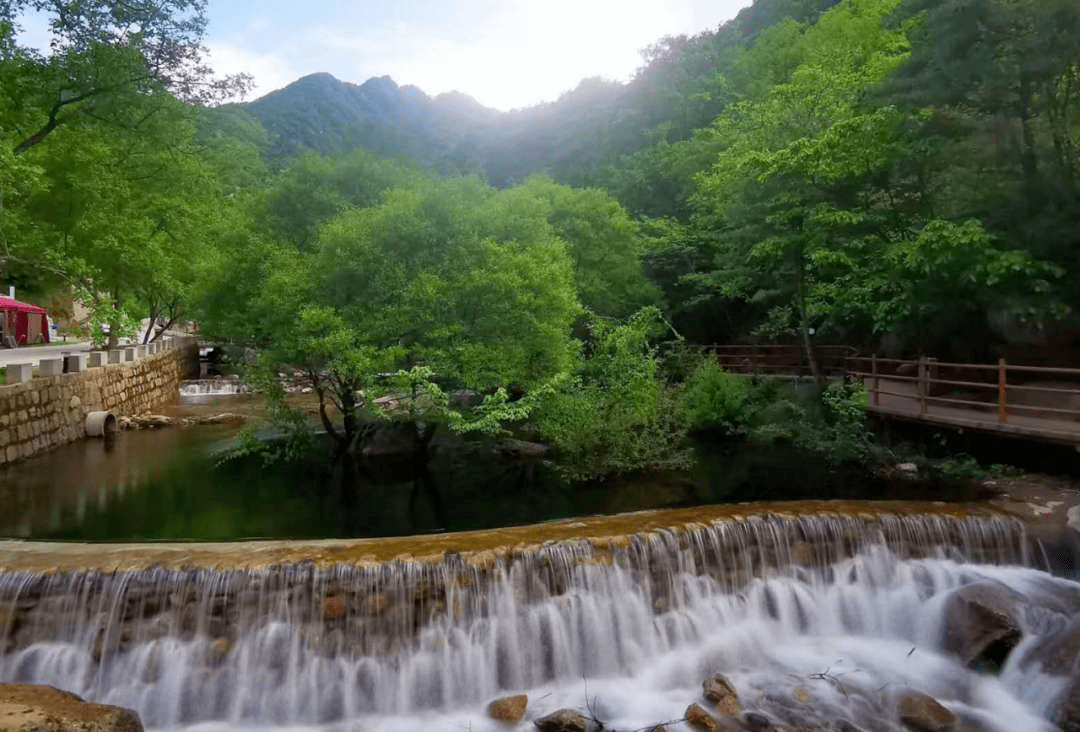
(924,387)
(1003,412)
(875,381)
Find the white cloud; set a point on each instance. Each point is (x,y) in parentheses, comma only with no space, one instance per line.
(505,53)
(269,72)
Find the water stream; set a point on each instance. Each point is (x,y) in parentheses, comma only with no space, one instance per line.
(814,619)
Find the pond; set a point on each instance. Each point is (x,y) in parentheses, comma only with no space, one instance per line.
(172,484)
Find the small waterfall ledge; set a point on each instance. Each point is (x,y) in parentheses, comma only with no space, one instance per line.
(810,608)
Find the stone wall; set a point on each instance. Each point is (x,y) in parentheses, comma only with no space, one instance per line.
(47,411)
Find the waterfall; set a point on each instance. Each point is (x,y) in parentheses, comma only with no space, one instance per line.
(219,386)
(813,618)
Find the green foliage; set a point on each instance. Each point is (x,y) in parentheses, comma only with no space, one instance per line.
(716,400)
(616,415)
(468,281)
(604,243)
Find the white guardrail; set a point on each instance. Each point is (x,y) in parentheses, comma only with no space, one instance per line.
(18,373)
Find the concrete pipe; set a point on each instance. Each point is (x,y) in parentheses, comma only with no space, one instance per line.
(100,424)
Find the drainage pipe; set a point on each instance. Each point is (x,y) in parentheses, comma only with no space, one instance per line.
(100,424)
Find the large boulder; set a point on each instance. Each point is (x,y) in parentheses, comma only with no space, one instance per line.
(923,713)
(28,708)
(981,624)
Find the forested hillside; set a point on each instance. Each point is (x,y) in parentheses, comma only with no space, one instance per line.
(881,173)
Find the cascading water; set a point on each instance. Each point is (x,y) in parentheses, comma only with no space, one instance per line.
(220,386)
(814,619)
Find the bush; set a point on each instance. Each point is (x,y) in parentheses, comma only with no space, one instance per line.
(616,415)
(715,400)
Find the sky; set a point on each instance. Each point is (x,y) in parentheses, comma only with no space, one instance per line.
(506,54)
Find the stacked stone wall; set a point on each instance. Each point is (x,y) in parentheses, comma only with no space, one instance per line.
(47,411)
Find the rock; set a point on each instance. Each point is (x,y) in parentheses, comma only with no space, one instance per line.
(509,709)
(907,470)
(980,624)
(721,694)
(217,651)
(1067,714)
(224,418)
(923,713)
(698,718)
(334,607)
(1057,652)
(75,403)
(842,725)
(521,449)
(803,553)
(564,720)
(755,722)
(29,708)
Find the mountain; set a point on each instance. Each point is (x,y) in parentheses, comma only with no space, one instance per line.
(325,115)
(601,133)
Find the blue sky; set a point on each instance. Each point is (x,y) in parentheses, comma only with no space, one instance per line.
(504,53)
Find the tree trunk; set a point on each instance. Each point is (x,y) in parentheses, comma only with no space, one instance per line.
(115,321)
(423,480)
(804,328)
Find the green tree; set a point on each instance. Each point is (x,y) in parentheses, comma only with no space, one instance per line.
(105,56)
(604,243)
(616,414)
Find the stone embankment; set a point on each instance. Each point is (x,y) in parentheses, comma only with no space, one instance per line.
(40,412)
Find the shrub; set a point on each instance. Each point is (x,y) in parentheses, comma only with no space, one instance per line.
(616,415)
(715,400)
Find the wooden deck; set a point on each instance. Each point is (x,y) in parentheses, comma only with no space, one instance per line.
(1025,402)
(1034,403)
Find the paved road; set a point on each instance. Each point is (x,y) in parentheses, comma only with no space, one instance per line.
(33,354)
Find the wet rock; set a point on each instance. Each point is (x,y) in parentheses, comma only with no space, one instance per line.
(1067,714)
(31,708)
(509,709)
(376,604)
(1056,653)
(803,553)
(923,713)
(842,725)
(755,722)
(980,624)
(334,607)
(699,719)
(223,418)
(721,694)
(217,651)
(564,720)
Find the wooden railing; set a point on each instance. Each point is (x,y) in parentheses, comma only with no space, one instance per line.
(1006,397)
(773,359)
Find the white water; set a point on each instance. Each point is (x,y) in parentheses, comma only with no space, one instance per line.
(212,387)
(628,642)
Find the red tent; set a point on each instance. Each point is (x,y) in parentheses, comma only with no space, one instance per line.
(27,323)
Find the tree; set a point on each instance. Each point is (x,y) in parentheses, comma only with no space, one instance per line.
(442,287)
(103,56)
(467,281)
(314,189)
(604,243)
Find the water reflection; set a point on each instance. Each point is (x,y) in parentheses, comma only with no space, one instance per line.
(45,494)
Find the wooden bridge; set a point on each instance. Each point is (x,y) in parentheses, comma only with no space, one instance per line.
(1029,402)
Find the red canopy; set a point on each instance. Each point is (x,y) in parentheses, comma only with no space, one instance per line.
(18,317)
(6,303)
